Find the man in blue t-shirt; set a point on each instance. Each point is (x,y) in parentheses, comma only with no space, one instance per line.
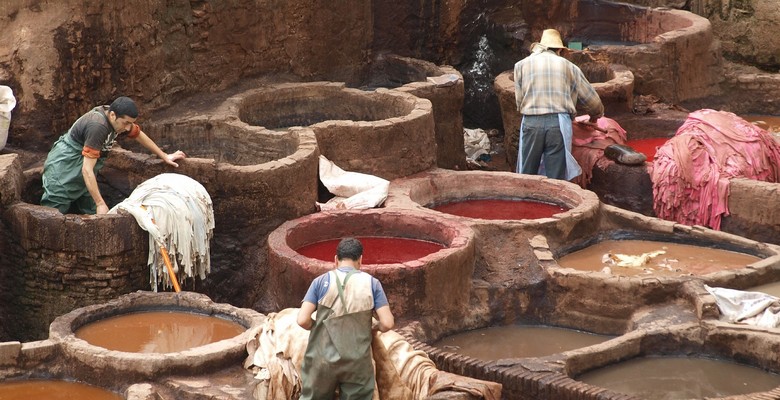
(339,351)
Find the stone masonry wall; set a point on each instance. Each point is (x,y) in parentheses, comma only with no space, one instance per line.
(54,263)
(67,56)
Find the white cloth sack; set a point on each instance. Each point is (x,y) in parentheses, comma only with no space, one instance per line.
(177,212)
(476,143)
(7,103)
(353,190)
(743,307)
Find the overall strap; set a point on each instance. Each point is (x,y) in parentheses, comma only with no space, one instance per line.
(340,287)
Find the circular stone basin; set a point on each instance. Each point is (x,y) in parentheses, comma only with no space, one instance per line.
(436,283)
(442,85)
(53,390)
(104,362)
(385,133)
(376,250)
(517,341)
(224,141)
(668,378)
(499,209)
(640,257)
(502,243)
(158,331)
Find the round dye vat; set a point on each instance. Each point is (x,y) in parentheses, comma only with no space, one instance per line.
(636,257)
(434,278)
(648,146)
(496,209)
(517,341)
(53,390)
(772,289)
(671,378)
(376,250)
(158,331)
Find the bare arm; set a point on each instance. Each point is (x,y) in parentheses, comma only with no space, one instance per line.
(88,172)
(170,159)
(304,315)
(385,317)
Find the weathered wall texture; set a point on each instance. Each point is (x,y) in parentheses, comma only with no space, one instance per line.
(746,28)
(746,219)
(66,56)
(53,263)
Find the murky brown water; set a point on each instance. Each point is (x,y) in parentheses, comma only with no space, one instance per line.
(158,331)
(677,259)
(53,390)
(674,378)
(770,123)
(517,341)
(769,288)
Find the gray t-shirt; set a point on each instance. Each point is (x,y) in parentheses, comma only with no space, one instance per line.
(93,130)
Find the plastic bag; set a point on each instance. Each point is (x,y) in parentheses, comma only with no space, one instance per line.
(7,103)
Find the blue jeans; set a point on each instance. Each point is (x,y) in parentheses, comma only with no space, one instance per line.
(541,135)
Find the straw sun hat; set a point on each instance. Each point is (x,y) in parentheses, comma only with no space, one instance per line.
(551,39)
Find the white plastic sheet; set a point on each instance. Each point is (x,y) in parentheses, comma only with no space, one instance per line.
(476,143)
(353,190)
(744,307)
(7,104)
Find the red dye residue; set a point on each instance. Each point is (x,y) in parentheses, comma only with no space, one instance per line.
(376,250)
(500,209)
(647,146)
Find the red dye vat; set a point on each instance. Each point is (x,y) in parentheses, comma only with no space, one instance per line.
(500,209)
(376,250)
(647,146)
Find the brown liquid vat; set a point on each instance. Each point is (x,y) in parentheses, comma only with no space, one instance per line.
(671,329)
(96,364)
(716,340)
(501,244)
(437,284)
(612,298)
(636,309)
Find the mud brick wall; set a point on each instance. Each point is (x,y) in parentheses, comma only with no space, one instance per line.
(85,53)
(758,223)
(52,264)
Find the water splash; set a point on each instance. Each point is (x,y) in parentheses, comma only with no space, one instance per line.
(479,70)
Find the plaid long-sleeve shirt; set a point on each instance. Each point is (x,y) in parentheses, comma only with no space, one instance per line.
(546,83)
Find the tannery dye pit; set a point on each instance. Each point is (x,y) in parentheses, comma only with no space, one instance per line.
(377,250)
(499,209)
(675,378)
(157,332)
(652,262)
(53,390)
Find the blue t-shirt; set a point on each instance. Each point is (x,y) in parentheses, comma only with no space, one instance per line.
(319,286)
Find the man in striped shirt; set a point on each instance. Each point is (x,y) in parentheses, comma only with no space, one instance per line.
(549,90)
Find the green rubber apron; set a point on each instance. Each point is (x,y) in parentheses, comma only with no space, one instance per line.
(63,183)
(339,354)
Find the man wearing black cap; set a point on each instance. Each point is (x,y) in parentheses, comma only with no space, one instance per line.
(69,173)
(549,90)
